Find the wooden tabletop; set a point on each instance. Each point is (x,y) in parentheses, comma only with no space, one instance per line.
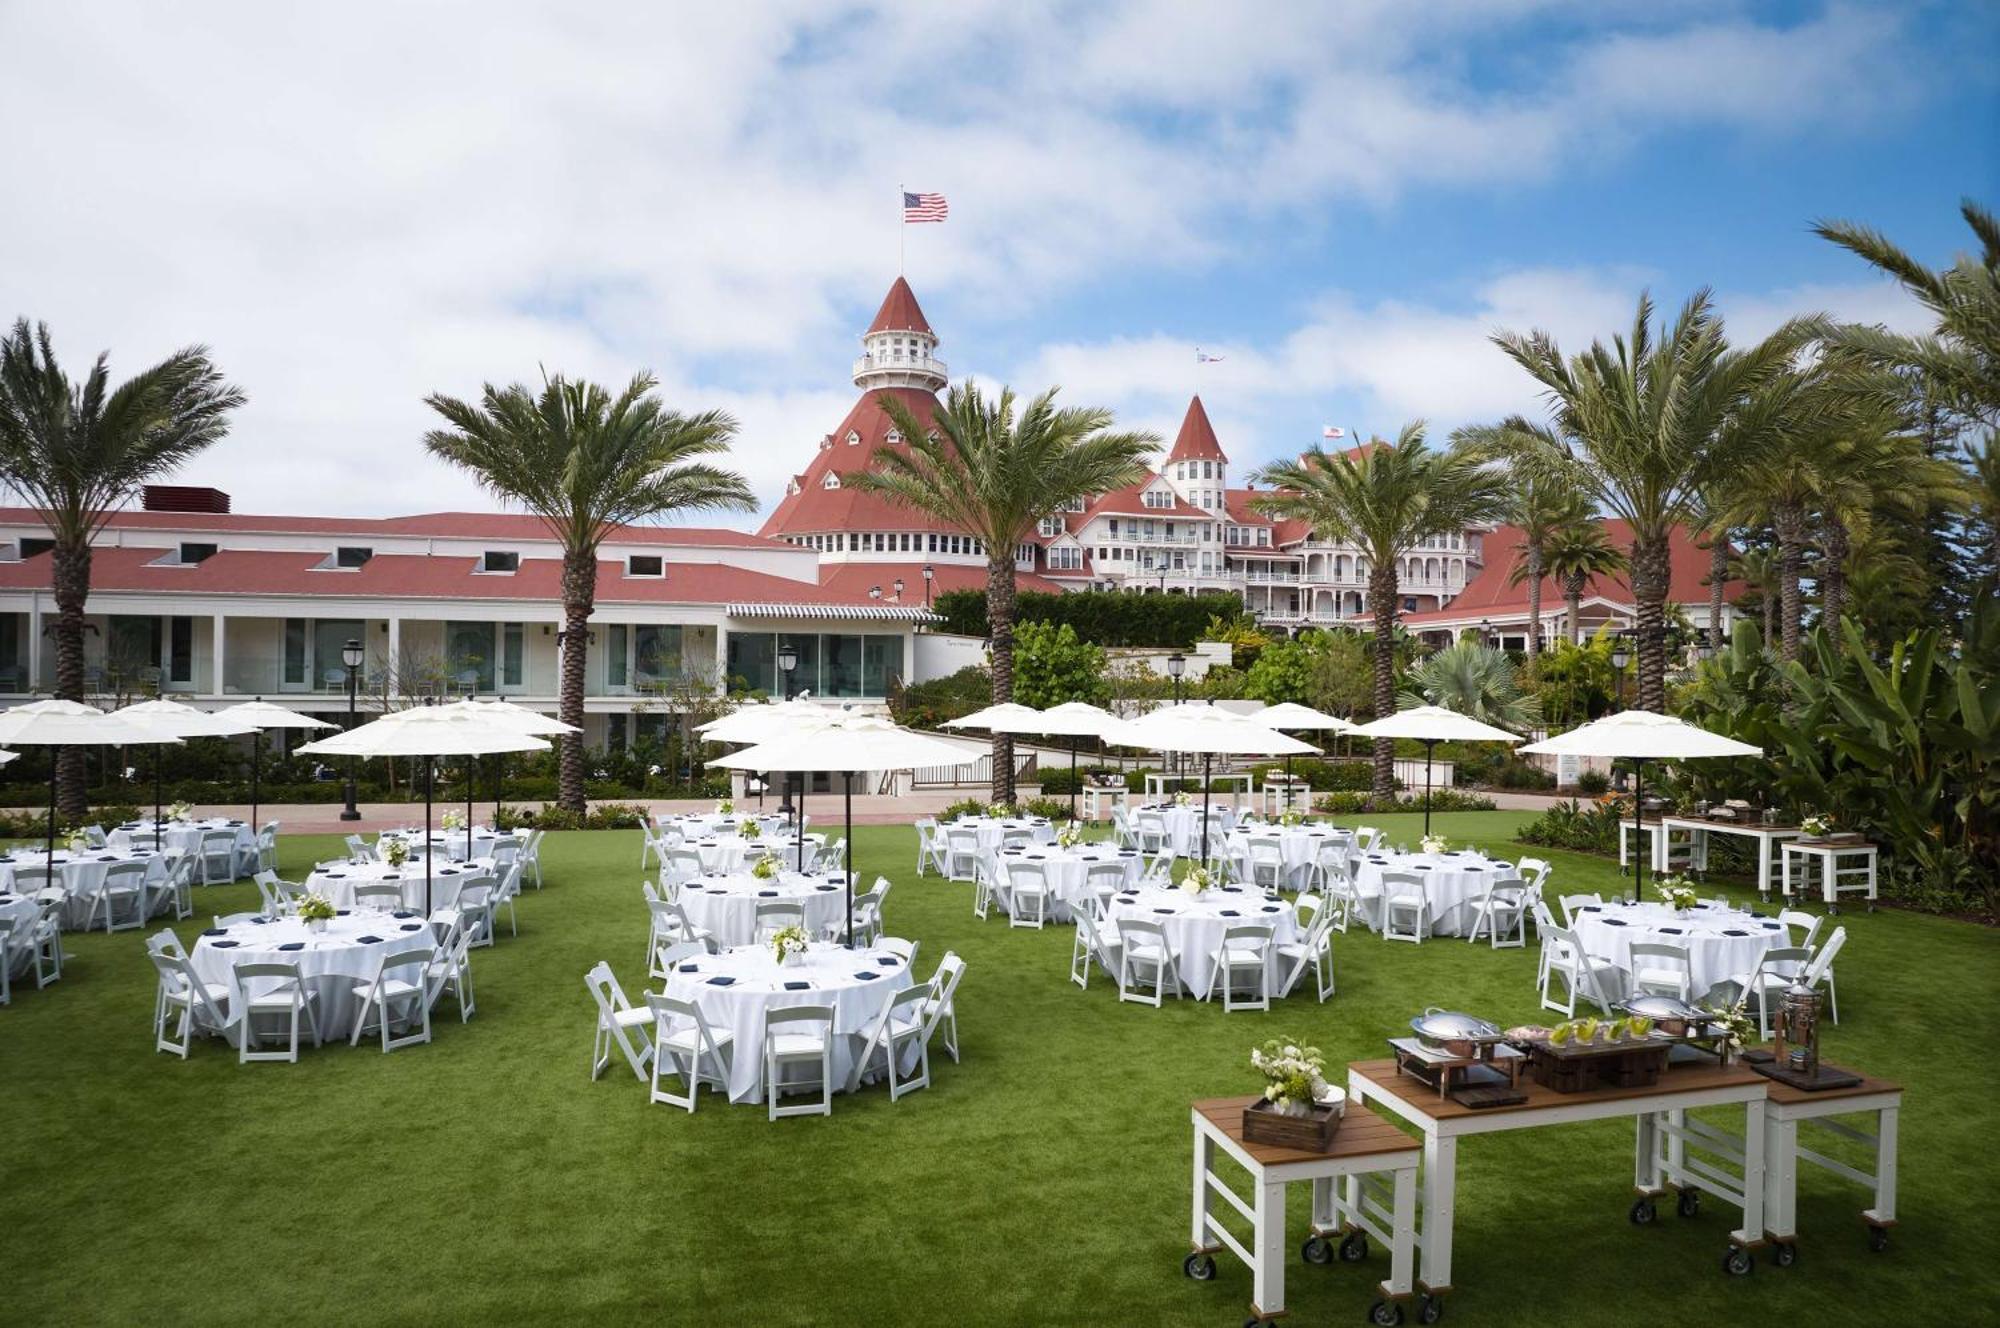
(1675,1078)
(1364,1132)
(1790,1096)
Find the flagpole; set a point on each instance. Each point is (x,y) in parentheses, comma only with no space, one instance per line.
(900,227)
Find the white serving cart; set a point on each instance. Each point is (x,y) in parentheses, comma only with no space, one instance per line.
(1789,1107)
(1101,800)
(1275,801)
(1844,867)
(1379,1164)
(1766,837)
(1239,786)
(1663,1140)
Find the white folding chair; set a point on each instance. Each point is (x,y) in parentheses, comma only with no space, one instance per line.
(1145,958)
(451,969)
(358,851)
(962,856)
(206,1007)
(1028,893)
(1571,904)
(399,989)
(930,847)
(1266,860)
(1662,969)
(1245,953)
(1820,970)
(798,1036)
(1096,943)
(531,856)
(654,842)
(1101,883)
(120,898)
(476,910)
(774,915)
(683,865)
(1367,838)
(1583,976)
(1805,924)
(1314,950)
(942,1009)
(619,1023)
(274,989)
(382,896)
(1502,913)
(694,1052)
(1403,899)
(901,1024)
(264,849)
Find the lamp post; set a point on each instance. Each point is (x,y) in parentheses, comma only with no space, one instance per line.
(929,573)
(788,660)
(1486,635)
(350,657)
(1621,655)
(897,586)
(1176,666)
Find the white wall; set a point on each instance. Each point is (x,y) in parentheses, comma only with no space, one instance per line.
(940,654)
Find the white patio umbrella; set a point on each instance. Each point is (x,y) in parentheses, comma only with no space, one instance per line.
(1207,731)
(1074,720)
(847,742)
(1641,736)
(54,724)
(1302,718)
(429,732)
(5,757)
(1006,717)
(1432,725)
(179,721)
(510,716)
(260,715)
(764,720)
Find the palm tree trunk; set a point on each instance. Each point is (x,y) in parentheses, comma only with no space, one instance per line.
(1833,575)
(1573,607)
(1651,570)
(1534,606)
(1000,622)
(579,592)
(1789,521)
(1718,577)
(1770,616)
(1384,605)
(70,570)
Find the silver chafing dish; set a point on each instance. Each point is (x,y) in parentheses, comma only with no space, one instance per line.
(1454,1032)
(1670,1014)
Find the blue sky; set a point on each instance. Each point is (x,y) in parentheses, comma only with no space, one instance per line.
(1343,200)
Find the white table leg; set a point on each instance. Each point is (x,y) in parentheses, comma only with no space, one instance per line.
(1646,1152)
(1752,1230)
(1267,1242)
(1204,1159)
(1785,866)
(1675,1146)
(1403,1232)
(1781,1177)
(1440,1201)
(1884,1210)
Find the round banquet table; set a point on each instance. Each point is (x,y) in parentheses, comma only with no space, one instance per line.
(731,853)
(1183,825)
(707,825)
(457,845)
(858,984)
(79,874)
(330,962)
(1194,925)
(184,836)
(1068,872)
(993,830)
(1298,849)
(725,904)
(1723,944)
(336,880)
(1452,883)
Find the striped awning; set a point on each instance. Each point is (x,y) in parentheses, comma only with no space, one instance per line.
(913,613)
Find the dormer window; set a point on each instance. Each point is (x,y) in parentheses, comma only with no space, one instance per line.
(853,438)
(496,560)
(1050,527)
(193,555)
(645,564)
(350,556)
(895,436)
(832,481)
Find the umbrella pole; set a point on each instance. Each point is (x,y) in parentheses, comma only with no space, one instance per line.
(1639,844)
(49,861)
(471,768)
(1288,781)
(1430,745)
(256,759)
(159,826)
(1074,740)
(430,770)
(848,847)
(1205,759)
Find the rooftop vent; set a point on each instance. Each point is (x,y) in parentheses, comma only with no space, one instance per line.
(185,498)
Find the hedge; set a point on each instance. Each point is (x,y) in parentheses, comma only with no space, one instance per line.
(1100,617)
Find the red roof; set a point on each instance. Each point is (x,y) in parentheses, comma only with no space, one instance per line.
(1126,502)
(853,580)
(899,312)
(447,525)
(1196,440)
(1240,511)
(816,509)
(421,576)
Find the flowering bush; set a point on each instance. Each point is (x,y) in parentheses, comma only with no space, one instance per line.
(1294,1076)
(314,908)
(789,941)
(765,868)
(1435,843)
(1678,891)
(395,851)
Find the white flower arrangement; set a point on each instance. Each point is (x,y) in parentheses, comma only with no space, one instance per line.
(789,941)
(314,907)
(78,842)
(1678,891)
(453,819)
(1183,799)
(1291,818)
(395,850)
(747,828)
(725,807)
(1435,844)
(1737,1028)
(765,868)
(1816,826)
(1070,835)
(998,810)
(1294,1076)
(1197,880)
(180,811)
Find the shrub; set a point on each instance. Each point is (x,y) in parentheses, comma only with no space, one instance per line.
(1102,617)
(1052,809)
(926,705)
(1585,827)
(1593,782)
(1358,804)
(1323,776)
(964,807)
(1056,780)
(35,824)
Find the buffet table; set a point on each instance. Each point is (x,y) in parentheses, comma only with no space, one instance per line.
(1699,828)
(1788,1108)
(1846,866)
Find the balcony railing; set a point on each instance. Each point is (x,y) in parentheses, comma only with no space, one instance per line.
(924,364)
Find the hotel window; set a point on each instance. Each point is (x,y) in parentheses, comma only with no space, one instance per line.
(512,647)
(656,654)
(1066,559)
(192,555)
(469,655)
(180,650)
(617,664)
(645,564)
(496,560)
(352,555)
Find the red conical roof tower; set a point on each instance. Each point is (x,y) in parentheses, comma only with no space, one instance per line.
(1196,440)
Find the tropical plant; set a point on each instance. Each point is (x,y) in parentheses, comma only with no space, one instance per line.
(1576,553)
(1388,500)
(587,462)
(77,452)
(1104,617)
(1474,680)
(1340,683)
(1283,672)
(1576,683)
(1245,637)
(1052,666)
(978,468)
(1546,512)
(1756,566)
(1633,426)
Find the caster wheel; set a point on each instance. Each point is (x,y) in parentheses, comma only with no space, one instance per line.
(1200,1267)
(1429,1309)
(1689,1204)
(1355,1248)
(1738,1263)
(1642,1213)
(1878,1239)
(1871,908)
(1254,1322)
(1784,1253)
(1317,1249)
(1833,909)
(1385,1313)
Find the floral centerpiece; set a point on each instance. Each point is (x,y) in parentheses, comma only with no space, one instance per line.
(180,812)
(1434,844)
(1816,826)
(1290,817)
(395,850)
(747,828)
(765,868)
(999,810)
(725,807)
(1294,1076)
(789,944)
(1197,880)
(78,842)
(453,819)
(1070,835)
(315,910)
(1183,799)
(1678,891)
(1735,1029)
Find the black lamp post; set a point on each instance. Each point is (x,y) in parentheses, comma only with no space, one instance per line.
(897,586)
(1621,655)
(350,657)
(788,660)
(1487,637)
(929,574)
(1176,666)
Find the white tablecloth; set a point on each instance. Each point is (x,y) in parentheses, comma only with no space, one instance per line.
(184,836)
(1452,882)
(330,962)
(80,875)
(1068,870)
(337,881)
(992,831)
(726,904)
(732,853)
(1298,849)
(1183,825)
(831,977)
(1194,925)
(707,825)
(452,844)
(1722,943)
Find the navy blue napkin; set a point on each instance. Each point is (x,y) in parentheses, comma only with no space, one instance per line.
(722,982)
(1273,908)
(767,894)
(404,913)
(798,986)
(689,968)
(368,940)
(293,945)
(867,977)
(216,931)
(1735,932)
(1772,926)
(336,876)
(887,961)
(1163,910)
(1230,913)
(342,912)
(1591,908)
(1232,889)
(225,945)
(1613,922)
(1670,931)
(1421,866)
(413,926)
(260,921)
(1475,869)
(824,888)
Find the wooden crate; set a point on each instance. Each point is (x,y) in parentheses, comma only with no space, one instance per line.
(1573,1069)
(1265,1124)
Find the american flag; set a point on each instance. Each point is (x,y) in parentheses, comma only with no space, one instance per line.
(1330,432)
(924,207)
(1203,357)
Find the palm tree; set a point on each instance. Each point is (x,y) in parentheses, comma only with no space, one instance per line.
(1633,427)
(1873,473)
(977,468)
(586,463)
(77,452)
(1388,500)
(1542,509)
(1474,680)
(1576,553)
(1757,567)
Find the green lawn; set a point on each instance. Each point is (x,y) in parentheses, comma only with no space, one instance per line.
(1045,1180)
